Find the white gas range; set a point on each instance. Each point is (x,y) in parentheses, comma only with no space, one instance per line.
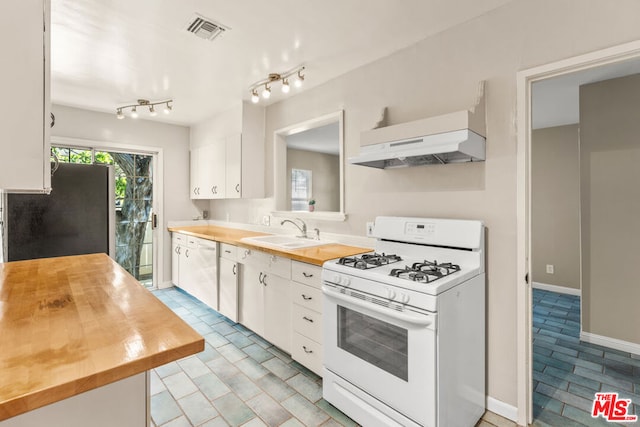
(404,328)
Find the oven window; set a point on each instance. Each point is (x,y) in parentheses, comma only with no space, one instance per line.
(380,343)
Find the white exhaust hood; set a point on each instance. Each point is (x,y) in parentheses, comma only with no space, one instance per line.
(450,138)
(451,147)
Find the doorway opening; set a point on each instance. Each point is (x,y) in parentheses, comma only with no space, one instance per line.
(135,216)
(565,354)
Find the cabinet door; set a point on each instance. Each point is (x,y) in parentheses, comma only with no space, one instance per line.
(194,163)
(228,289)
(277,311)
(175,263)
(24,84)
(233,158)
(212,170)
(186,276)
(251,302)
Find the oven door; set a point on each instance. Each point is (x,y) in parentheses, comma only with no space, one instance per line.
(388,354)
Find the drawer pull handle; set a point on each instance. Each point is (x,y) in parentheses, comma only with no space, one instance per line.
(304,347)
(307,275)
(307,319)
(306,298)
(227,251)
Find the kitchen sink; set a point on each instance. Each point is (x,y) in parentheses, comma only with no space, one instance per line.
(283,242)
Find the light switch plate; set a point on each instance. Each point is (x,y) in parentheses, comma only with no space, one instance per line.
(369,229)
(266,220)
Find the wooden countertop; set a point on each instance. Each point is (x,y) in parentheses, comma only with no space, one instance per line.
(313,255)
(72,324)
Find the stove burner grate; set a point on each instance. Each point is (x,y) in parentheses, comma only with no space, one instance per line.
(425,272)
(366,261)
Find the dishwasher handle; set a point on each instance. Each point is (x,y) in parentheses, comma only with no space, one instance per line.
(423,320)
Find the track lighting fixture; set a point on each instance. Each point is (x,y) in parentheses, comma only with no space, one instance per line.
(275,77)
(144,103)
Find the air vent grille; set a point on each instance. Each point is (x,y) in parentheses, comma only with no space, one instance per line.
(205,28)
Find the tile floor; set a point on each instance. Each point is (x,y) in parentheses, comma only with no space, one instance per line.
(567,372)
(240,380)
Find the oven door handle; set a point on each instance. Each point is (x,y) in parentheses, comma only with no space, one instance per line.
(419,320)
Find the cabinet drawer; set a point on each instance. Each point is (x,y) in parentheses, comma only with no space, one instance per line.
(306,273)
(228,251)
(307,322)
(192,242)
(306,296)
(307,352)
(207,244)
(178,238)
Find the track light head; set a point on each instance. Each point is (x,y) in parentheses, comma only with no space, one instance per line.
(254,96)
(299,80)
(119,114)
(285,86)
(266,93)
(152,111)
(134,113)
(167,109)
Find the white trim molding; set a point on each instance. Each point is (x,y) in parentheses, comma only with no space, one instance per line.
(556,288)
(503,409)
(614,343)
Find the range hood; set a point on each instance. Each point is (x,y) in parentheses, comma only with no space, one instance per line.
(450,147)
(450,138)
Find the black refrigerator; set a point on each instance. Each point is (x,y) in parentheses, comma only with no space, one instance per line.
(77,217)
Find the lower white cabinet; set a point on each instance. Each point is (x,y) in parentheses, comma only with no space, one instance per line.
(228,282)
(306,315)
(196,263)
(264,300)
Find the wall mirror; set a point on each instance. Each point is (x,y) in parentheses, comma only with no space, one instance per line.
(309,166)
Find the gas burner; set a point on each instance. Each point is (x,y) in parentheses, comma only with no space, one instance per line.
(425,272)
(366,261)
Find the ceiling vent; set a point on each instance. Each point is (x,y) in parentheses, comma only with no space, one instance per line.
(205,28)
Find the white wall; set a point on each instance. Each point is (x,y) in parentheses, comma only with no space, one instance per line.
(174,140)
(440,75)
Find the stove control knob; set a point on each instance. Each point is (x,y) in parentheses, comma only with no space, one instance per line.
(391,294)
(404,298)
(337,279)
(346,282)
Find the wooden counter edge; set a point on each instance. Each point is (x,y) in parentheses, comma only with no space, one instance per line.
(295,254)
(40,398)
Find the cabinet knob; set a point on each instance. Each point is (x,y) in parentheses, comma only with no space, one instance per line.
(304,347)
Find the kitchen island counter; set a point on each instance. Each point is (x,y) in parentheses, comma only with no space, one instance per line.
(316,255)
(73,324)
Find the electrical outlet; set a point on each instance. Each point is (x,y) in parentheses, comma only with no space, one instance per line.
(550,268)
(369,229)
(205,214)
(266,220)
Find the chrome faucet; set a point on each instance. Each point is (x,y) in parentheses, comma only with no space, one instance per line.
(303,229)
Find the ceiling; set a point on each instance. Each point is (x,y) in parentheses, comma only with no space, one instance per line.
(555,101)
(107,54)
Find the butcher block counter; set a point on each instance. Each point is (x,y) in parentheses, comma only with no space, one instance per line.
(316,255)
(73,324)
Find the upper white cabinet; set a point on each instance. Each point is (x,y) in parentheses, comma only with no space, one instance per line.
(24,83)
(227,155)
(208,171)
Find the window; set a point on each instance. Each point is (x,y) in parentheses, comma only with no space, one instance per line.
(300,189)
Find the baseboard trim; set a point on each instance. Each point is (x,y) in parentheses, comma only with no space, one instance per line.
(503,409)
(610,342)
(556,288)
